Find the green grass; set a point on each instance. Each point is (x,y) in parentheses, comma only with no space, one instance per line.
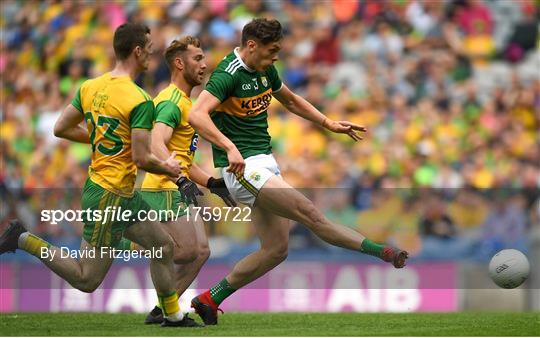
(279,324)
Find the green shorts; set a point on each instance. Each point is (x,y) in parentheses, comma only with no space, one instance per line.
(107,230)
(167,203)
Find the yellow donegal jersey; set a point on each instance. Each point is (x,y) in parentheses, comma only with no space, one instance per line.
(172,108)
(112,107)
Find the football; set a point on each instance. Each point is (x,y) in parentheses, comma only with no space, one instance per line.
(509,268)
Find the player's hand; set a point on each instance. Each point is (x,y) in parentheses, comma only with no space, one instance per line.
(173,166)
(236,162)
(188,191)
(345,127)
(217,186)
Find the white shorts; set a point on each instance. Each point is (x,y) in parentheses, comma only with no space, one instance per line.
(259,169)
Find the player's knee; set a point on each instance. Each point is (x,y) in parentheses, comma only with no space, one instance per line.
(88,285)
(167,250)
(279,253)
(88,288)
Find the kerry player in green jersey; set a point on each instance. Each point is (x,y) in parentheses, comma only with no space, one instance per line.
(232,114)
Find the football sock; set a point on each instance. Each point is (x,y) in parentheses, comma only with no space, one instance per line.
(220,291)
(32,244)
(170,307)
(126,244)
(372,248)
(175,317)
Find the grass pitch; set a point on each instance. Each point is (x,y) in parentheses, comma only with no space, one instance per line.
(278,324)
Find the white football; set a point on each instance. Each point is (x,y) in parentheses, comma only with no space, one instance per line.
(509,268)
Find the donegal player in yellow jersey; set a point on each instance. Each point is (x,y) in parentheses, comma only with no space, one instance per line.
(173,133)
(232,114)
(118,116)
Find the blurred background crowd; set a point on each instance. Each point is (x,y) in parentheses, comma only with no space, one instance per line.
(449,91)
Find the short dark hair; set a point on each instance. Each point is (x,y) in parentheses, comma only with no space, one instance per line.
(128,36)
(177,47)
(263,30)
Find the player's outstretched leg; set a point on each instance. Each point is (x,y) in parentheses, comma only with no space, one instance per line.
(279,197)
(85,274)
(274,237)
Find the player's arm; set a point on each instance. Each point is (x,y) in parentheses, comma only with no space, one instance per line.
(161,135)
(141,120)
(200,120)
(144,158)
(301,107)
(168,117)
(68,125)
(198,175)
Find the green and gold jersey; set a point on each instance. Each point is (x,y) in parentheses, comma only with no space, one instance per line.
(245,95)
(172,108)
(112,107)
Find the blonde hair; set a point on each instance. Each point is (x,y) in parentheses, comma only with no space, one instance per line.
(177,47)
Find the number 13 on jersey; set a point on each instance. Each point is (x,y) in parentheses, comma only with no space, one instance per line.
(96,139)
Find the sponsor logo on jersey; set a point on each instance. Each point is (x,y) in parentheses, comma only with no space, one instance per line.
(194,143)
(256,102)
(247,106)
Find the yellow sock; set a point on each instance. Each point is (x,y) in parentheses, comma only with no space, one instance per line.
(169,304)
(32,244)
(127,245)
(135,247)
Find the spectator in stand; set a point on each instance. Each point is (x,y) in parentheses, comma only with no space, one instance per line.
(506,224)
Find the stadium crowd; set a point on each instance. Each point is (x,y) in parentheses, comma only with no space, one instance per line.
(449,92)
